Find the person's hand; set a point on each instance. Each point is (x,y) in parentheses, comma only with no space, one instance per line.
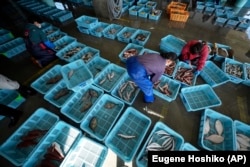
(197,72)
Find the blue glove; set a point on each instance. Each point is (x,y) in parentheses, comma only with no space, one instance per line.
(197,72)
(49,44)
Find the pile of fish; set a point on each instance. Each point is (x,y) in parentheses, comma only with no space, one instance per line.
(127,90)
(61,46)
(86,57)
(141,37)
(112,31)
(215,138)
(54,79)
(109,78)
(160,141)
(163,89)
(243,142)
(87,99)
(248,72)
(72,52)
(31,138)
(56,37)
(184,75)
(234,69)
(170,69)
(126,34)
(53,157)
(155,12)
(62,92)
(129,53)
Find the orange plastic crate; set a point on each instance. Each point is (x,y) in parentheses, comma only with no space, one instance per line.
(179,15)
(176,5)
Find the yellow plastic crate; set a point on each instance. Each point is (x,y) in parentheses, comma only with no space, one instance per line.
(176,5)
(179,15)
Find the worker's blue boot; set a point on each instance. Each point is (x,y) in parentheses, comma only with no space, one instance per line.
(149,99)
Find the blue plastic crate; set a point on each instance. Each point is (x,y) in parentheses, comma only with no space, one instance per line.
(132,123)
(58,102)
(63,42)
(133,10)
(140,37)
(41,85)
(151,4)
(209,10)
(86,21)
(45,25)
(218,57)
(63,134)
(63,16)
(232,22)
(81,75)
(173,87)
(80,104)
(142,3)
(53,37)
(213,75)
(171,43)
(17,101)
(13,47)
(130,2)
(196,98)
(97,30)
(111,31)
(7,96)
(71,50)
(188,147)
(138,48)
(130,87)
(44,10)
(219,12)
(86,152)
(246,74)
(102,80)
(49,14)
(243,25)
(125,34)
(86,54)
(144,12)
(124,7)
(97,64)
(41,119)
(50,30)
(88,2)
(220,20)
(228,143)
(106,117)
(237,64)
(241,128)
(155,16)
(83,29)
(179,141)
(146,50)
(5,36)
(37,7)
(181,65)
(200,8)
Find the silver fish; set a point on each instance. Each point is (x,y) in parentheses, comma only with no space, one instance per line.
(126,136)
(244,137)
(70,74)
(152,112)
(207,126)
(243,141)
(215,138)
(219,127)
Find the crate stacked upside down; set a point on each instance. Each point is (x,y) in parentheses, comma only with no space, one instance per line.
(177,11)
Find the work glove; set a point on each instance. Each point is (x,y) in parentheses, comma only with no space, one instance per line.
(197,72)
(49,44)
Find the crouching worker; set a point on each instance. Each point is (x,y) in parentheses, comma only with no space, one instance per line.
(146,70)
(37,44)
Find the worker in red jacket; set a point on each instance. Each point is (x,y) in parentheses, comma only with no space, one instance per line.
(195,53)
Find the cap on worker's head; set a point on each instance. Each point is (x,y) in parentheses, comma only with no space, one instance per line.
(196,48)
(33,19)
(169,55)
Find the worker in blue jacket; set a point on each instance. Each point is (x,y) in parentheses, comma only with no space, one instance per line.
(41,49)
(146,70)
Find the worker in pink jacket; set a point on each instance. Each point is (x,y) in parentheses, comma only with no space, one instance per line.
(195,53)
